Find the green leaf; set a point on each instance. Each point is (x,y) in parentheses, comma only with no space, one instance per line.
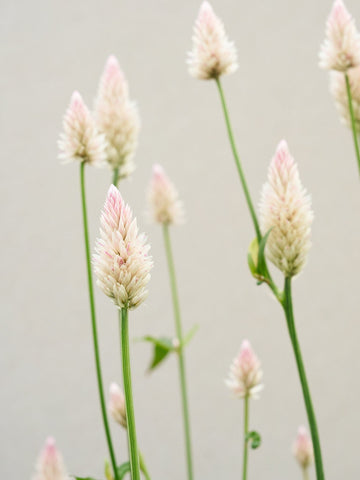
(162,347)
(255,439)
(261,264)
(190,335)
(253,254)
(123,469)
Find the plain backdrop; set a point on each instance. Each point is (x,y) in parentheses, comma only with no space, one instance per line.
(48,385)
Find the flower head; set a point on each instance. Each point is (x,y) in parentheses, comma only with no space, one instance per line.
(341,47)
(303,449)
(80,140)
(50,464)
(117,405)
(122,263)
(339,93)
(245,373)
(164,198)
(117,117)
(286,209)
(212,54)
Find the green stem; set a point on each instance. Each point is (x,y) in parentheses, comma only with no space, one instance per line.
(179,335)
(353,124)
(116,176)
(288,307)
(238,162)
(143,467)
(246,431)
(305,473)
(130,417)
(93,322)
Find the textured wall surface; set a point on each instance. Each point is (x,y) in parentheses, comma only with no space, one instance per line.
(48,385)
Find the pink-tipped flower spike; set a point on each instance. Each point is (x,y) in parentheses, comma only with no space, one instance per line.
(50,465)
(303,448)
(212,54)
(122,262)
(117,117)
(117,405)
(163,198)
(285,208)
(80,140)
(341,48)
(245,373)
(339,93)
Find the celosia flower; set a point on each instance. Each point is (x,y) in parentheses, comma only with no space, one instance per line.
(164,198)
(286,209)
(303,449)
(341,48)
(117,405)
(245,373)
(212,54)
(117,117)
(339,92)
(81,141)
(122,263)
(50,465)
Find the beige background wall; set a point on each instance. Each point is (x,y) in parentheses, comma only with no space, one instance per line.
(48,49)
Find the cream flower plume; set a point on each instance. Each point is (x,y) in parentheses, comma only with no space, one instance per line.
(341,48)
(245,373)
(286,209)
(50,464)
(212,54)
(121,262)
(117,117)
(80,140)
(339,93)
(164,198)
(117,407)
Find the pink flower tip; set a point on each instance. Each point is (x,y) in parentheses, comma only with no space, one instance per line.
(303,449)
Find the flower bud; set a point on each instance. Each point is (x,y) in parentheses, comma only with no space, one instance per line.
(339,93)
(286,209)
(164,198)
(303,449)
(50,464)
(245,373)
(341,48)
(117,405)
(212,54)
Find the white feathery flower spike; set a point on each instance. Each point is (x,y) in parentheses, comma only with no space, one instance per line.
(339,92)
(341,47)
(285,208)
(80,140)
(117,407)
(163,198)
(213,54)
(245,374)
(122,262)
(303,448)
(117,117)
(50,465)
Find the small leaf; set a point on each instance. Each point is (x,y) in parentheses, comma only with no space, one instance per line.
(255,439)
(261,264)
(162,347)
(190,335)
(123,470)
(252,257)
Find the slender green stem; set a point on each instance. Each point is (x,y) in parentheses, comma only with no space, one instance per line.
(246,431)
(116,177)
(179,334)
(131,429)
(288,307)
(143,467)
(93,321)
(353,124)
(305,473)
(238,162)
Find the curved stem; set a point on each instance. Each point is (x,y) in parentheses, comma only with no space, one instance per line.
(143,467)
(238,162)
(288,307)
(116,176)
(130,417)
(353,125)
(246,431)
(93,322)
(179,335)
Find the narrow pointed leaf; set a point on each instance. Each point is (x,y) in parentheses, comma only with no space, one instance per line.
(123,470)
(190,335)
